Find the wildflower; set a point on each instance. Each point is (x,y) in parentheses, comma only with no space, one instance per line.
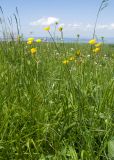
(47,28)
(60,29)
(92,41)
(38,40)
(29,42)
(65,61)
(98,45)
(96,50)
(31,39)
(72,58)
(33,50)
(78,52)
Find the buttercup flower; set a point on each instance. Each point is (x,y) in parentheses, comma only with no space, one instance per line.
(60,29)
(33,50)
(65,61)
(47,28)
(38,40)
(31,39)
(78,52)
(92,41)
(72,58)
(98,45)
(29,42)
(96,50)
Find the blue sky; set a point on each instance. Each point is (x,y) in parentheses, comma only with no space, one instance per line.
(76,16)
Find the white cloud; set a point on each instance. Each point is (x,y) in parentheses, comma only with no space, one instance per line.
(73,25)
(61,25)
(69,29)
(70,25)
(100,26)
(103,26)
(45,21)
(76,25)
(112,26)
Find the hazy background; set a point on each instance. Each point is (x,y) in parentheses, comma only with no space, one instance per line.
(76,16)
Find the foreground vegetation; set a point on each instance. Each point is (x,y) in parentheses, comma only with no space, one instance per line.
(56,105)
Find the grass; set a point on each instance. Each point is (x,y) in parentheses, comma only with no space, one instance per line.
(55,111)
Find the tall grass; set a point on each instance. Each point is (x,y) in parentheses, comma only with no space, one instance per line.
(56,111)
(103,5)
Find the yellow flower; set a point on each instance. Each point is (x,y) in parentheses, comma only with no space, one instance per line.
(78,52)
(33,50)
(29,42)
(60,29)
(72,58)
(31,39)
(38,40)
(92,41)
(96,50)
(47,28)
(98,45)
(65,61)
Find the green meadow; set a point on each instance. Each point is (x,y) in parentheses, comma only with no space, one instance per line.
(56,98)
(52,110)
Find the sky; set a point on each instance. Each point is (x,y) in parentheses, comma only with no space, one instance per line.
(76,16)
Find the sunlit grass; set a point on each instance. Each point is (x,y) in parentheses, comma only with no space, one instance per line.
(51,108)
(56,98)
